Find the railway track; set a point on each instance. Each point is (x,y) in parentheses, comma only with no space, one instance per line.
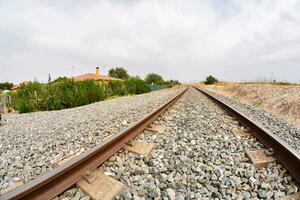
(58,180)
(282,151)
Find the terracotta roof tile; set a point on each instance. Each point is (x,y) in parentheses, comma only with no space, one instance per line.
(15,87)
(94,77)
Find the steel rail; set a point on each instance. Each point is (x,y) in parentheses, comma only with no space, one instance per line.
(283,152)
(56,181)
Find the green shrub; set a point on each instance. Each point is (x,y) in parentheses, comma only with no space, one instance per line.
(211,80)
(24,105)
(28,98)
(65,93)
(135,85)
(116,88)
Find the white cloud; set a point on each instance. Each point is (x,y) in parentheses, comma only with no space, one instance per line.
(185,40)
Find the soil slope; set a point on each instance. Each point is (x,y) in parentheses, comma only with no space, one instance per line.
(283,101)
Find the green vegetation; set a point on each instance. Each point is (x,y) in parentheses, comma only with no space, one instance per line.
(211,80)
(6,86)
(118,72)
(56,95)
(64,93)
(133,85)
(67,93)
(156,82)
(153,78)
(172,83)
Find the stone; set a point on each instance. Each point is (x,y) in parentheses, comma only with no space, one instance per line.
(170,178)
(278,194)
(70,192)
(11,187)
(264,185)
(262,194)
(142,192)
(162,186)
(124,123)
(171,194)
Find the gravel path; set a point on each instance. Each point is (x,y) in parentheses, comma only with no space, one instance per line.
(32,144)
(196,158)
(286,131)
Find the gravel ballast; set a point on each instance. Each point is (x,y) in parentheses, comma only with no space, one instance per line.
(285,130)
(196,158)
(32,144)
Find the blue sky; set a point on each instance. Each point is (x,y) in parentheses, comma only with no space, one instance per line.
(180,39)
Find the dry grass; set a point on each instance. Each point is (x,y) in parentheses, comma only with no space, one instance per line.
(281,99)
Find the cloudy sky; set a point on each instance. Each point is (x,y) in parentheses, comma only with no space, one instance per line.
(235,40)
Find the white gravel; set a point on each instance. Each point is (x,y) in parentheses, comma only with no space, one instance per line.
(32,144)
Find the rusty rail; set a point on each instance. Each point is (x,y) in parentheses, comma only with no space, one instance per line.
(283,152)
(59,179)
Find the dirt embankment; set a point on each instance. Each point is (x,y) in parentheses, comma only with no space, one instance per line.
(282,101)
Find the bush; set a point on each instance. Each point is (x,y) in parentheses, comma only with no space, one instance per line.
(211,80)
(135,85)
(23,105)
(116,88)
(65,93)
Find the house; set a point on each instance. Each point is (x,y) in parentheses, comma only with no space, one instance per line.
(89,76)
(97,77)
(15,87)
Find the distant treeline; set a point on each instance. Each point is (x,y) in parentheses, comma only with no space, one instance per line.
(6,86)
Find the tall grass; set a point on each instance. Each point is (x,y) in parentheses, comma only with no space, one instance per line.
(67,93)
(133,85)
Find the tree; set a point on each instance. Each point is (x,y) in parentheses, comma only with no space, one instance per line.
(118,72)
(61,78)
(135,85)
(211,80)
(154,78)
(174,82)
(6,86)
(49,78)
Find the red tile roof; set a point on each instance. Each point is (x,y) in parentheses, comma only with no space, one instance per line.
(94,77)
(15,87)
